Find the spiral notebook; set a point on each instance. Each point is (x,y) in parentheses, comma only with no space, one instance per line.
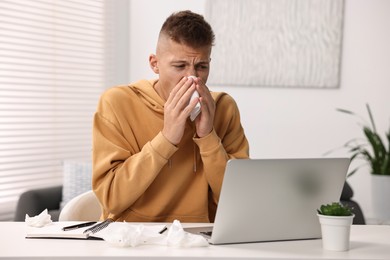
(95,232)
(55,230)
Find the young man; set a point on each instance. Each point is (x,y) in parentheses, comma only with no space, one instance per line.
(150,161)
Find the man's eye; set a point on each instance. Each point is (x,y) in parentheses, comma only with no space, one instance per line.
(203,67)
(179,66)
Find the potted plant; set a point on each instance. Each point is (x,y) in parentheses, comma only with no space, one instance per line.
(336,221)
(376,153)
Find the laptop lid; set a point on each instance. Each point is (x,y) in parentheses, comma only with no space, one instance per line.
(276,199)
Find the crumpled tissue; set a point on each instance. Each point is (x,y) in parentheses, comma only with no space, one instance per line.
(40,220)
(177,237)
(122,234)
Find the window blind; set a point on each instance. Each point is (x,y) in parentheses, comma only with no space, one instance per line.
(53,68)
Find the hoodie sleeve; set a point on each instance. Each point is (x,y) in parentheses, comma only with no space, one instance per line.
(226,141)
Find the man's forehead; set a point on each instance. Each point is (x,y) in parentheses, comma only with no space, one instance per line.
(188,59)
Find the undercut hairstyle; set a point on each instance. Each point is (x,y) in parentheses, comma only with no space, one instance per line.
(188,28)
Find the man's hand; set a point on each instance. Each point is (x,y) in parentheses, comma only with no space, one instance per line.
(177,110)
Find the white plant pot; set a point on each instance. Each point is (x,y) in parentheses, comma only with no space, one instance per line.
(335,232)
(380,196)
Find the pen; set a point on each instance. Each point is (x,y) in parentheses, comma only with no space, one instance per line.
(163,230)
(81,225)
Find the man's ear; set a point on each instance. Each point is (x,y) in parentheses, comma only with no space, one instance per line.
(153,63)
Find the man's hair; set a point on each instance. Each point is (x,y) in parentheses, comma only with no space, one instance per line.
(188,28)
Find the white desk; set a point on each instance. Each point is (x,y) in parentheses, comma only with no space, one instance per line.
(367,242)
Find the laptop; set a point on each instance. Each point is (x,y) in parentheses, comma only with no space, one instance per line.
(274,199)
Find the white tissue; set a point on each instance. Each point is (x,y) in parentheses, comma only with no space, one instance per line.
(122,234)
(177,237)
(40,220)
(195,112)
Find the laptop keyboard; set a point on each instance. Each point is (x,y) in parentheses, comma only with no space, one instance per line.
(207,233)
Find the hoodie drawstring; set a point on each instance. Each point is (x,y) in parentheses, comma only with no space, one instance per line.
(195,158)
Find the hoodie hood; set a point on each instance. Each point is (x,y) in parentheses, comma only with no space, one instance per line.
(148,95)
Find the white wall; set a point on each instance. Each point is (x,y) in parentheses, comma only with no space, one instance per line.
(297,122)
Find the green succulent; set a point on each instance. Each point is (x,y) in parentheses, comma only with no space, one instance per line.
(335,209)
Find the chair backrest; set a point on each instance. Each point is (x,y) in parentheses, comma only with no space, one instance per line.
(84,207)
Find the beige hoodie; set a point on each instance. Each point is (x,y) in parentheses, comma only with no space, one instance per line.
(139,176)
